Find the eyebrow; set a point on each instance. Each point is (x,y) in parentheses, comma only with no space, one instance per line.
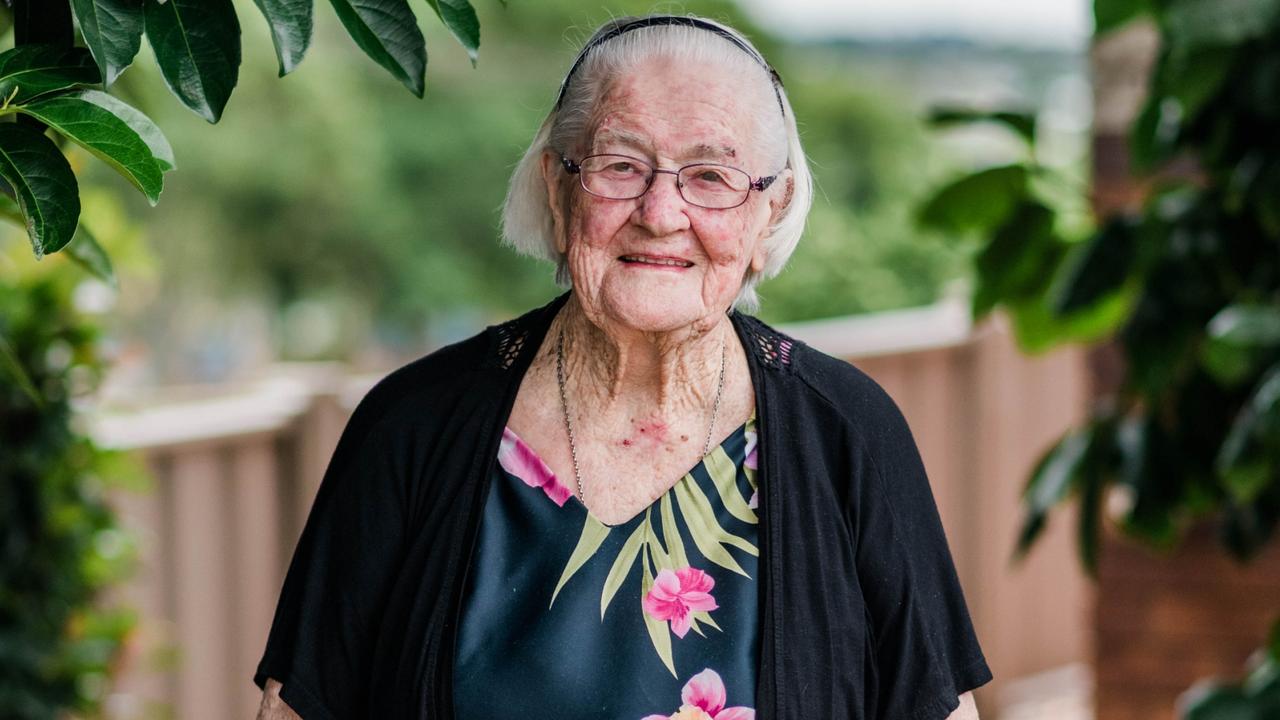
(639,142)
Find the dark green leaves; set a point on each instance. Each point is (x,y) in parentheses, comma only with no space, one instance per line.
(1197,23)
(29,71)
(976,202)
(290,22)
(1097,268)
(460,18)
(1111,14)
(102,133)
(43,185)
(387,32)
(1021,123)
(113,31)
(197,44)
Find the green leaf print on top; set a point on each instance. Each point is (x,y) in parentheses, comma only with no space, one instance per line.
(675,597)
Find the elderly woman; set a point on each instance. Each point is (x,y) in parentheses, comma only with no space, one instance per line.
(635,502)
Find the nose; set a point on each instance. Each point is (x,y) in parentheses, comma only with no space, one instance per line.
(661,209)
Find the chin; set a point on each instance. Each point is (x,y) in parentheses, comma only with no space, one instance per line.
(656,311)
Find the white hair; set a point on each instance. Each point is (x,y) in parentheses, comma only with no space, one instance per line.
(527,222)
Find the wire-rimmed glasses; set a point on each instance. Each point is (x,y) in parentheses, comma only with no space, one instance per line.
(706,185)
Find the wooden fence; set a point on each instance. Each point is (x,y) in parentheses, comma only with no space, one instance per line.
(234,475)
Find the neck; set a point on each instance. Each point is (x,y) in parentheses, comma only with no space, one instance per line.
(642,374)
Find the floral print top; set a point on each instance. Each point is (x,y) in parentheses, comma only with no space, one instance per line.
(565,617)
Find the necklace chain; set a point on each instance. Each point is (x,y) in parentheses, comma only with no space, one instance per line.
(568,424)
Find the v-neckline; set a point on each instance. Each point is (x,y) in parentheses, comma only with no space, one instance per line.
(552,486)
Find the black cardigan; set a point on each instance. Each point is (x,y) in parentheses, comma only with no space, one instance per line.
(861,612)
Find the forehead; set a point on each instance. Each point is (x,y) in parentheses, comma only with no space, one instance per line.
(671,110)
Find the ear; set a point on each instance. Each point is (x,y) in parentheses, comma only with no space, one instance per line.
(781,199)
(551,178)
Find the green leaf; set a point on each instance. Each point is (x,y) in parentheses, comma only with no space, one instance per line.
(197,45)
(10,365)
(1096,268)
(593,533)
(1211,701)
(460,18)
(1018,262)
(291,28)
(1023,124)
(659,632)
(671,533)
(101,132)
(1247,325)
(707,533)
(724,475)
(660,556)
(1197,23)
(387,32)
(138,122)
(43,184)
(1242,463)
(976,202)
(28,71)
(1111,14)
(86,251)
(622,566)
(1051,481)
(113,31)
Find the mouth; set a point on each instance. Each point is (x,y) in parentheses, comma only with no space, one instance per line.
(660,261)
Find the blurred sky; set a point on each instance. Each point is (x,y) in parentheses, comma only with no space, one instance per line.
(1045,23)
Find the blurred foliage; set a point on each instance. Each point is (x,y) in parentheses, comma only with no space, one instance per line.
(333,193)
(1188,287)
(60,546)
(1256,698)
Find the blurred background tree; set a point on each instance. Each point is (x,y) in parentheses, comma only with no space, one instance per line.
(333,215)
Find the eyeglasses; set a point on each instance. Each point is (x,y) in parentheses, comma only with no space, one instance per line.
(706,185)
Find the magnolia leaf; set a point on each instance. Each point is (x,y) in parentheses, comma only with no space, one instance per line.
(88,253)
(102,133)
(10,365)
(621,567)
(43,184)
(1051,481)
(976,202)
(593,534)
(28,71)
(387,32)
(113,31)
(291,29)
(197,45)
(138,122)
(1023,124)
(460,18)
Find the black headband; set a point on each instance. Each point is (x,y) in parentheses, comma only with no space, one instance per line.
(656,20)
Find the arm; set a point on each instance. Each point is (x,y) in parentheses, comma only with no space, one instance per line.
(967,710)
(274,708)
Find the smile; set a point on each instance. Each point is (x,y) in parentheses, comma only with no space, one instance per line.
(645,260)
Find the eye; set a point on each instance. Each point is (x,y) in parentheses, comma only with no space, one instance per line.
(622,166)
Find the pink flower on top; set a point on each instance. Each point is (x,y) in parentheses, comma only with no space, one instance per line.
(676,595)
(703,698)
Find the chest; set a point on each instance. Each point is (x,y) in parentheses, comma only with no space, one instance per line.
(625,460)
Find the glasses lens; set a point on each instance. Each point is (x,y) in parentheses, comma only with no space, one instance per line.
(615,176)
(714,186)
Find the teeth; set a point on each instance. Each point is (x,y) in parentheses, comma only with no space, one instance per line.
(656,261)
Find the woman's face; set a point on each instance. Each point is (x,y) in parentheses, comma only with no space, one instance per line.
(669,117)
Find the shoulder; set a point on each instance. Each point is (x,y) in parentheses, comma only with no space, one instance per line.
(435,387)
(861,404)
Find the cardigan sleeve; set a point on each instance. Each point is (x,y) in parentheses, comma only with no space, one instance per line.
(927,653)
(322,637)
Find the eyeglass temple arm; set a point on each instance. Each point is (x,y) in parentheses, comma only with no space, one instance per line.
(762,183)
